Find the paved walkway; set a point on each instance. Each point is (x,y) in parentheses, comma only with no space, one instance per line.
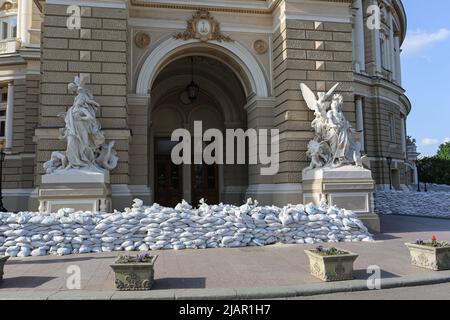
(432,292)
(272,266)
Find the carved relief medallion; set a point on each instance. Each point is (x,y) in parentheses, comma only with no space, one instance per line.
(260,46)
(142,40)
(203,27)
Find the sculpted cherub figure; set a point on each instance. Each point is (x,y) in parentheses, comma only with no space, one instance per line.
(319,106)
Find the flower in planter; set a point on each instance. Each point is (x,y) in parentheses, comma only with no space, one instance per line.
(433,243)
(330,252)
(144,257)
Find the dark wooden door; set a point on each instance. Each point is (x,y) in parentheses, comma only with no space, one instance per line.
(205,184)
(168,176)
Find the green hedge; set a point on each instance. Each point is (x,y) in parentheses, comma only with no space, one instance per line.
(434,170)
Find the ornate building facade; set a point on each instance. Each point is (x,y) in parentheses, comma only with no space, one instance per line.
(246,59)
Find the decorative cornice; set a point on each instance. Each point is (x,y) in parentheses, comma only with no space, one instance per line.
(120,4)
(401,13)
(212,8)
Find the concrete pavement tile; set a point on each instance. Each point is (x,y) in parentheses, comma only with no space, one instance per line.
(25,295)
(81,295)
(205,294)
(144,295)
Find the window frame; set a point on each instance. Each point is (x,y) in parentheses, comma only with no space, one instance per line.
(8,28)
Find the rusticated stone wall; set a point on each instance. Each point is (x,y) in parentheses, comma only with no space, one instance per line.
(98,53)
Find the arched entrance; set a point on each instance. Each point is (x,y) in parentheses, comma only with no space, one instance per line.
(233,86)
(233,54)
(220,105)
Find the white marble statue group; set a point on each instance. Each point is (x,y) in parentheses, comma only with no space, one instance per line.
(86,146)
(334,144)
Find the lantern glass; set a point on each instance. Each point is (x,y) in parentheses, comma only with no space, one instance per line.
(193,90)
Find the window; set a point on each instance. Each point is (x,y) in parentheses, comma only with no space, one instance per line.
(8,28)
(2,123)
(391,128)
(5,27)
(13,31)
(384,51)
(3,95)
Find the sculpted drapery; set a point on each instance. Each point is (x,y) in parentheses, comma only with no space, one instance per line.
(86,146)
(82,131)
(333,144)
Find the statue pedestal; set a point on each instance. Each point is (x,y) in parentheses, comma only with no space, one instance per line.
(81,189)
(348,187)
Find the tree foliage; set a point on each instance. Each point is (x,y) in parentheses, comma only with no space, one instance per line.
(435,170)
(444,151)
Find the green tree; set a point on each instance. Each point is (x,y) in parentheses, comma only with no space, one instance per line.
(434,170)
(444,151)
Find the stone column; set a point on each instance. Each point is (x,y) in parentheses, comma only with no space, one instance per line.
(376,43)
(360,120)
(391,46)
(416,175)
(9,117)
(140,162)
(403,135)
(360,57)
(398,70)
(24,20)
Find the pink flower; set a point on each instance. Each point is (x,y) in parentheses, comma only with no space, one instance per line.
(433,238)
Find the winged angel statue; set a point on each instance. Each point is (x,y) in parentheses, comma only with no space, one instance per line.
(333,144)
(86,147)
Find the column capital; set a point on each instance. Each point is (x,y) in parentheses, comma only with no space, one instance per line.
(257,102)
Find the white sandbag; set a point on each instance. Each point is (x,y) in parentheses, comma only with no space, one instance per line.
(39,252)
(63,251)
(24,252)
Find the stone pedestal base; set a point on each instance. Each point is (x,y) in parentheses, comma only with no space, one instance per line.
(348,187)
(82,190)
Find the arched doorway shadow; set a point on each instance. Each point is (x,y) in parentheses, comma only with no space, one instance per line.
(219,105)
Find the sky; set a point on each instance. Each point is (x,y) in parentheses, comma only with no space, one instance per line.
(426,72)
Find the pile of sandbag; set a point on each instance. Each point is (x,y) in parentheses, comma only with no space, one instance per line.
(426,204)
(158,228)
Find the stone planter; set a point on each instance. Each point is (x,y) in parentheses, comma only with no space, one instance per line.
(331,268)
(427,257)
(2,263)
(134,276)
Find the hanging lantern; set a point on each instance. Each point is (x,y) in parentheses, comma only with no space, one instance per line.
(193,88)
